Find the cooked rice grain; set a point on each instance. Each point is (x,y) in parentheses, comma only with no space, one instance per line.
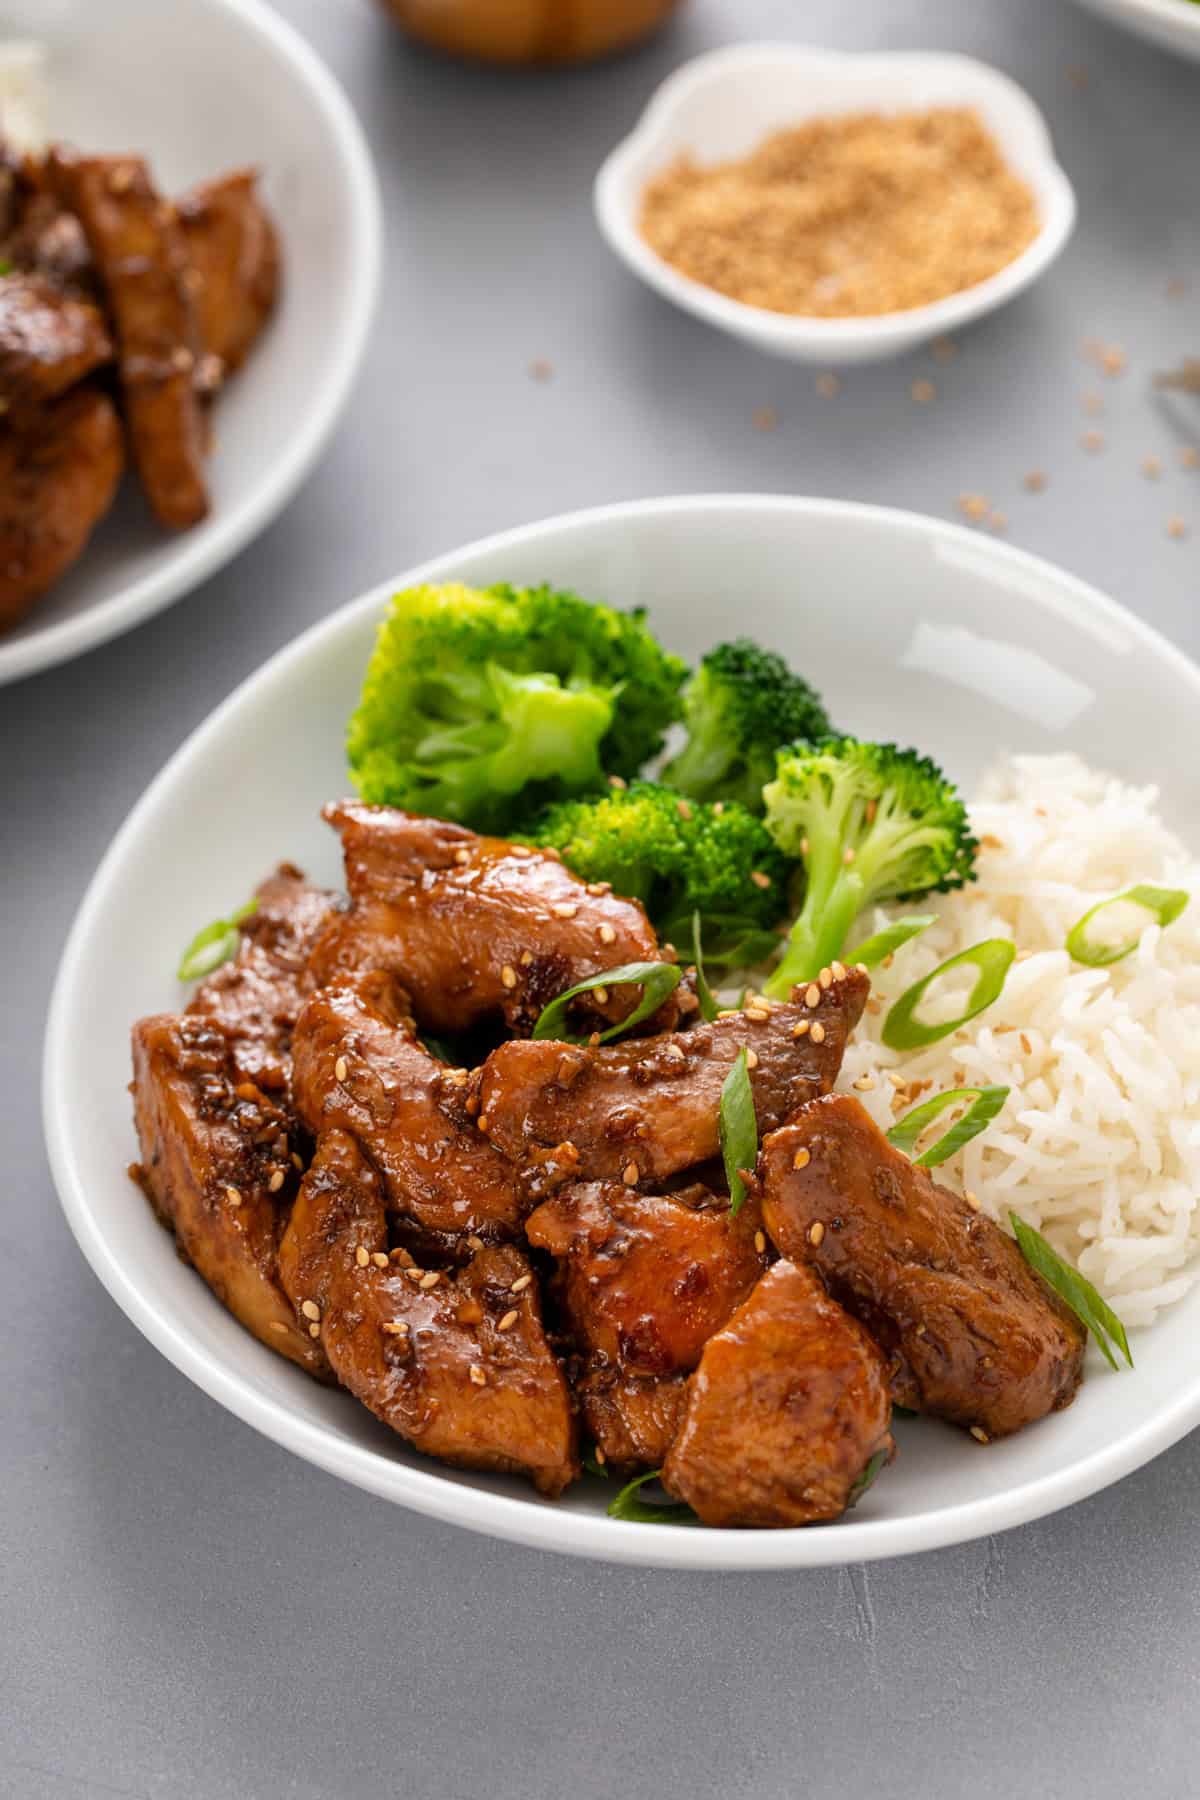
(1098,1144)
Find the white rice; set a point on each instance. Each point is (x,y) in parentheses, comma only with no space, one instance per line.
(22,95)
(1098,1143)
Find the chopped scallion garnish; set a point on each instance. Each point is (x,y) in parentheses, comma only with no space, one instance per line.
(866,1479)
(628,1504)
(1078,1293)
(902,1030)
(1163,905)
(906,1132)
(708,1006)
(656,981)
(739,1129)
(213,945)
(875,949)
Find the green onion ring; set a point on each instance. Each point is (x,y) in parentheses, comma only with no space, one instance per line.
(708,1006)
(902,1030)
(1163,904)
(906,1132)
(656,981)
(213,945)
(738,1128)
(875,949)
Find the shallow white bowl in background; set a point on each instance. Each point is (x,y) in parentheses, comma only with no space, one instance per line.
(724,104)
(1173,24)
(200,86)
(913,629)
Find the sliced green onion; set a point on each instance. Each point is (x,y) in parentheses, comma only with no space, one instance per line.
(591,1464)
(1163,905)
(875,949)
(708,1006)
(629,1505)
(213,945)
(902,1030)
(731,943)
(437,1047)
(739,1129)
(656,981)
(866,1479)
(1071,1286)
(985,1104)
(6,267)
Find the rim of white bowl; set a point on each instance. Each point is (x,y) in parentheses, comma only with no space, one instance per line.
(540,1524)
(1174,13)
(617,223)
(239,524)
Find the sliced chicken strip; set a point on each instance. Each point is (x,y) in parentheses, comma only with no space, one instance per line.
(459,1366)
(141,264)
(640,1110)
(48,341)
(632,1419)
(977,1337)
(217,1168)
(476,928)
(257,997)
(644,1283)
(787,1415)
(58,477)
(359,1068)
(233,251)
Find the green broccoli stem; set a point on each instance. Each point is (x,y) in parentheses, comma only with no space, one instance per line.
(700,765)
(816,938)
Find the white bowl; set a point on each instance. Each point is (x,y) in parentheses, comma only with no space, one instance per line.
(1174,24)
(722,105)
(918,629)
(201,86)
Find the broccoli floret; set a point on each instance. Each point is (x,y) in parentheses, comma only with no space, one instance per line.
(739,707)
(678,856)
(870,823)
(481,704)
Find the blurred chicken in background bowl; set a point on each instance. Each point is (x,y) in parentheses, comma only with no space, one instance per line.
(530,31)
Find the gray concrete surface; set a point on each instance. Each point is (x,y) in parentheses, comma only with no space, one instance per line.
(185,1610)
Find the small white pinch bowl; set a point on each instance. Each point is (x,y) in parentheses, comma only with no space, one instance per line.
(724,104)
(1171,24)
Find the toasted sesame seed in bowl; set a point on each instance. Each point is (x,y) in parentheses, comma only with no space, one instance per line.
(666,198)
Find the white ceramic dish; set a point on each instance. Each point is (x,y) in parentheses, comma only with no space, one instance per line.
(201,86)
(722,105)
(921,631)
(1173,24)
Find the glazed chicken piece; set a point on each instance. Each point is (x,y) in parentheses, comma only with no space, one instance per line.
(233,250)
(632,1419)
(37,234)
(788,1414)
(216,1166)
(476,928)
(360,1068)
(58,476)
(48,342)
(645,1281)
(460,1365)
(141,261)
(642,1109)
(256,998)
(976,1336)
